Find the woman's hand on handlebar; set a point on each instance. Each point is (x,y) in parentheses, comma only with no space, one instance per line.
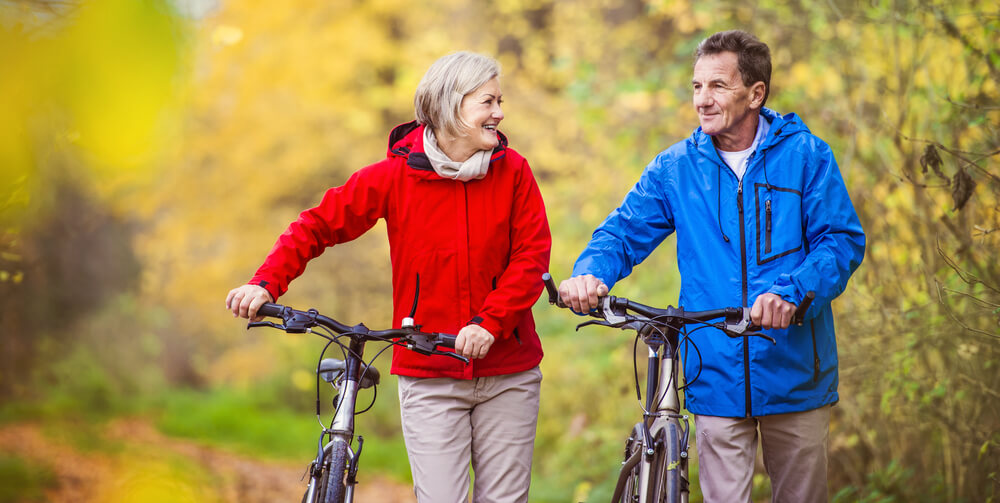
(473,341)
(581,293)
(771,311)
(244,301)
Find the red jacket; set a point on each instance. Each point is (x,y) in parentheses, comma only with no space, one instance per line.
(479,247)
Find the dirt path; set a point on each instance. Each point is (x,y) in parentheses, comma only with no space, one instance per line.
(145,469)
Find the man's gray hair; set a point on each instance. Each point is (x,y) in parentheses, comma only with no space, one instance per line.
(438,100)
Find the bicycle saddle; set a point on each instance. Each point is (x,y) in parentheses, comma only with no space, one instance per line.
(331,368)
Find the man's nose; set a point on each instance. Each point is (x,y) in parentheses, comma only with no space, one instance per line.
(702,99)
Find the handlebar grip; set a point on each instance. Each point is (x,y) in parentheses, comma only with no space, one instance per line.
(270,309)
(800,312)
(550,285)
(446,340)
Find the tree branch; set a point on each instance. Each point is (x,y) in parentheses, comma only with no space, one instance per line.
(957,321)
(966,277)
(960,155)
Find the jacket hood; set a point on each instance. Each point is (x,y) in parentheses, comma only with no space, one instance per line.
(782,127)
(407,141)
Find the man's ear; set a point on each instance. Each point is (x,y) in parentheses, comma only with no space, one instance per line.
(757,95)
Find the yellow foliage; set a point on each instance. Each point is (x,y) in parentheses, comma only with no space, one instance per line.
(256,109)
(106,82)
(143,481)
(303,380)
(242,366)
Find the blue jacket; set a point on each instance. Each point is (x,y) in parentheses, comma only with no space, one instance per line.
(789,227)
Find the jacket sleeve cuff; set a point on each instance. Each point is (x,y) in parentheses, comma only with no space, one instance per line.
(491,326)
(605,276)
(270,286)
(784,287)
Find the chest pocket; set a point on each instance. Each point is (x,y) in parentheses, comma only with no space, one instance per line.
(779,221)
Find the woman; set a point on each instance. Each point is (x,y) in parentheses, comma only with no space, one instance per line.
(464,214)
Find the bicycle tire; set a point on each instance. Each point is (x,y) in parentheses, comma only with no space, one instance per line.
(670,468)
(336,474)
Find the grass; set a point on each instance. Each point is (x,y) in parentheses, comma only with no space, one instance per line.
(22,480)
(241,422)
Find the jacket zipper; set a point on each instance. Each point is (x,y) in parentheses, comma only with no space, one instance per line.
(767,226)
(470,370)
(743,267)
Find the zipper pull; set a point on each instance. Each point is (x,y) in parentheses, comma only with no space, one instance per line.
(739,195)
(767,210)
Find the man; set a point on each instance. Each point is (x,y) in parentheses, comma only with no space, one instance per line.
(762,216)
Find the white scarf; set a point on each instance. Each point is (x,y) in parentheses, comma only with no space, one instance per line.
(474,168)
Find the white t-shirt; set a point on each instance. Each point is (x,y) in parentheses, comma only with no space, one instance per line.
(737,161)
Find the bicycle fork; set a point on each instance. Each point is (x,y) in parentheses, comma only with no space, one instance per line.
(341,433)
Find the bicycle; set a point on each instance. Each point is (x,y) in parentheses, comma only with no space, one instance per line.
(333,473)
(655,469)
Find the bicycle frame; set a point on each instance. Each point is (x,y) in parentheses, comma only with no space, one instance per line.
(341,429)
(662,408)
(333,471)
(656,471)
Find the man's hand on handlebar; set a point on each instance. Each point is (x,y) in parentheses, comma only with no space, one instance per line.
(771,311)
(473,342)
(244,301)
(581,293)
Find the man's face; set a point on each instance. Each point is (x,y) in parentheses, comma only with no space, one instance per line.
(726,108)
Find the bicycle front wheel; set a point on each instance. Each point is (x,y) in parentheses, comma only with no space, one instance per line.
(670,469)
(336,474)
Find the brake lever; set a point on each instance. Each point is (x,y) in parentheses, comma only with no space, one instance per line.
(762,336)
(256,324)
(596,322)
(453,355)
(424,345)
(420,343)
(742,326)
(748,330)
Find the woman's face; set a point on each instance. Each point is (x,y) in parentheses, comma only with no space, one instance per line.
(481,110)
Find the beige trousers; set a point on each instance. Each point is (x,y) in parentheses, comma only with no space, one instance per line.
(488,420)
(795,449)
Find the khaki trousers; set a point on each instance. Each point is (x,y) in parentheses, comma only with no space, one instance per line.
(488,420)
(795,449)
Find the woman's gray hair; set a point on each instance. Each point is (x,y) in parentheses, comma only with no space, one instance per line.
(438,100)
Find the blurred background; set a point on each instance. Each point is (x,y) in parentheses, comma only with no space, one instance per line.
(152,150)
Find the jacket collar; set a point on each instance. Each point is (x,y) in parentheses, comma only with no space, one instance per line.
(407,141)
(782,126)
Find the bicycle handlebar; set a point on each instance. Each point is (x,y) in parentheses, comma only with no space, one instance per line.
(269,309)
(616,311)
(295,321)
(800,312)
(550,285)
